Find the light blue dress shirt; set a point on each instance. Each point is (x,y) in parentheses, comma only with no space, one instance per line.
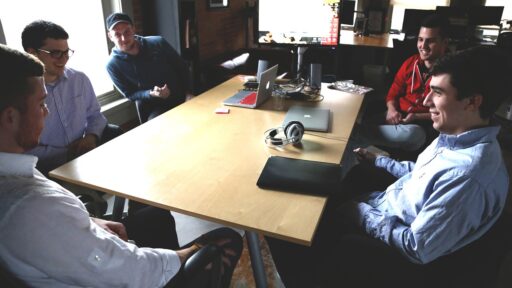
(74,112)
(452,195)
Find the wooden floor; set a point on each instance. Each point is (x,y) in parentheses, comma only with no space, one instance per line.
(190,228)
(243,277)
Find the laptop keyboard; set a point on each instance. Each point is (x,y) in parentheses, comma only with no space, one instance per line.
(249,99)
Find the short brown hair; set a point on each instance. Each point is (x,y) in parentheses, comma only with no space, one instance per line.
(479,70)
(17,67)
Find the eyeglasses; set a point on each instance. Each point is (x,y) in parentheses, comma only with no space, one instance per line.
(57,54)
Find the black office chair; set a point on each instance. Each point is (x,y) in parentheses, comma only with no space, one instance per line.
(475,265)
(207,254)
(481,259)
(402,49)
(94,207)
(142,113)
(99,209)
(504,41)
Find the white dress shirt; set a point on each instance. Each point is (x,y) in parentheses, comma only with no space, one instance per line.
(47,238)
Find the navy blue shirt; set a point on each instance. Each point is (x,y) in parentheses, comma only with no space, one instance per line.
(156,64)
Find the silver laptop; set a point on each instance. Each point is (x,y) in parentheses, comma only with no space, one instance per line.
(313,119)
(252,99)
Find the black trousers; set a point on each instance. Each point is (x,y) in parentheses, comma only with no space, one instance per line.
(151,227)
(344,256)
(156,228)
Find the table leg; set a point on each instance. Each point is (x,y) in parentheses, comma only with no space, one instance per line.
(258,269)
(117,210)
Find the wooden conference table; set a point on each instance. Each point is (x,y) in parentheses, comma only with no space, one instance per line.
(193,161)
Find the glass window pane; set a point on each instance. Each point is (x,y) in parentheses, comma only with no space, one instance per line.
(398,18)
(82,19)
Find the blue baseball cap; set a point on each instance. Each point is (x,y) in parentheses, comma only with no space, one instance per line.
(116,18)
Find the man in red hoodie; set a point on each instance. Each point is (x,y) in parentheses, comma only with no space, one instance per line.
(406,117)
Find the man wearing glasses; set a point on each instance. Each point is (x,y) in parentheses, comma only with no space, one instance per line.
(146,70)
(75,124)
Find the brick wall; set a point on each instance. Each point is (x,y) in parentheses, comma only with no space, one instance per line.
(139,15)
(220,30)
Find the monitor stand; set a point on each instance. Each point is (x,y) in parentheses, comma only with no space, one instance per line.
(300,57)
(299,70)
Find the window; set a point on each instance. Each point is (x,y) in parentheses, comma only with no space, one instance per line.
(84,22)
(399,7)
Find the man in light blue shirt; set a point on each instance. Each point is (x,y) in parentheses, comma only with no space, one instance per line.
(448,199)
(75,124)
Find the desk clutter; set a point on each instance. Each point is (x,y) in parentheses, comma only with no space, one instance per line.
(350,87)
(290,89)
(299,90)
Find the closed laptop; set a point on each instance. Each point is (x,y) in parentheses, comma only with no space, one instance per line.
(313,119)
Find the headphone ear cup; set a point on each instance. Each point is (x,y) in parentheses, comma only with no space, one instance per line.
(294,131)
(273,139)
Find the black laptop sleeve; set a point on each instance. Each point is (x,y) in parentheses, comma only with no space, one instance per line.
(301,176)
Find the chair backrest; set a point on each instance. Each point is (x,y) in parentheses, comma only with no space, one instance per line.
(402,49)
(504,41)
(476,265)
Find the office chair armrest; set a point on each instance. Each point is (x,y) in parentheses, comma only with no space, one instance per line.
(94,208)
(207,254)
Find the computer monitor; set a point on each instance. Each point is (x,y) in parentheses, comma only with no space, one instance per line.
(456,15)
(348,8)
(412,20)
(298,22)
(458,18)
(485,15)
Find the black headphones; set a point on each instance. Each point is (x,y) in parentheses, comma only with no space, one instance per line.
(292,134)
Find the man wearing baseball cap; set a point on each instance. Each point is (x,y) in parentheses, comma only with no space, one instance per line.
(146,70)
